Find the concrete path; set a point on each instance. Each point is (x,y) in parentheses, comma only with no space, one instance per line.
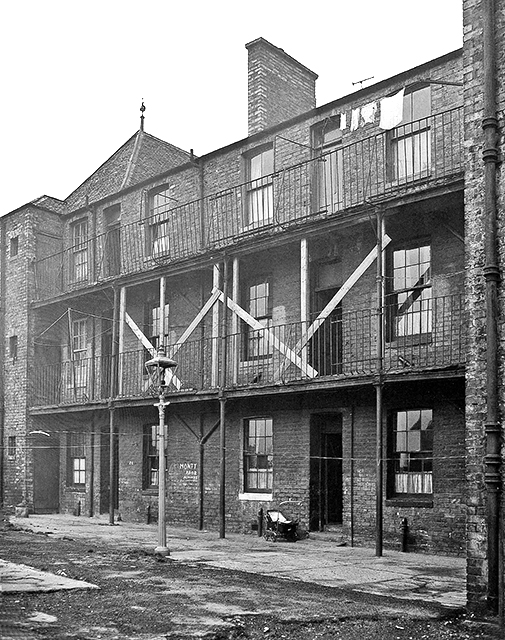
(431,579)
(15,578)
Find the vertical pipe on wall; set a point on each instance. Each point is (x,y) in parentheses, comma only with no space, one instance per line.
(492,278)
(351,497)
(379,391)
(222,404)
(201,484)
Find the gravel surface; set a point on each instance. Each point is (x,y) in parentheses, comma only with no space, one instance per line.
(143,597)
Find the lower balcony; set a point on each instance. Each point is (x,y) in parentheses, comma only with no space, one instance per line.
(425,338)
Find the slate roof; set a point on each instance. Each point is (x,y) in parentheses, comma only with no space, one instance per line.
(48,202)
(142,157)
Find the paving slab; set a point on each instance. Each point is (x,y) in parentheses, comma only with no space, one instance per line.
(17,578)
(438,580)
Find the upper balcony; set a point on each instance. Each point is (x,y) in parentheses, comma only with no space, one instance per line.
(412,157)
(427,338)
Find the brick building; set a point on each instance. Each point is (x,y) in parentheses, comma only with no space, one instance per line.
(309,281)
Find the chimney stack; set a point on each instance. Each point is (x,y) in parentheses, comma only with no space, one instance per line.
(279,87)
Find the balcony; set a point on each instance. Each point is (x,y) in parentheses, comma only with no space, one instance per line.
(342,349)
(412,157)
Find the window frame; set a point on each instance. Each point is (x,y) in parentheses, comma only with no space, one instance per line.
(252,451)
(420,294)
(14,246)
(79,263)
(259,194)
(249,334)
(329,165)
(150,457)
(158,220)
(76,459)
(11,447)
(421,456)
(13,348)
(414,130)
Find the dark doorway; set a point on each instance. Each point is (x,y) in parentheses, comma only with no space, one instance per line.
(106,356)
(112,248)
(46,473)
(325,471)
(326,345)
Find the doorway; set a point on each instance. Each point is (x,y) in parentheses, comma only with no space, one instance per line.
(326,501)
(46,473)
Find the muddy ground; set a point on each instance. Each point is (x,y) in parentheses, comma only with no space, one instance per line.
(143,597)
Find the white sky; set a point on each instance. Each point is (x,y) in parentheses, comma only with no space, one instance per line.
(74,72)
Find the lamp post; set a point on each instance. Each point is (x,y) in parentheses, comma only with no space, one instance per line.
(157,368)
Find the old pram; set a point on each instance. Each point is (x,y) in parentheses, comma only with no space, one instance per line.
(279,527)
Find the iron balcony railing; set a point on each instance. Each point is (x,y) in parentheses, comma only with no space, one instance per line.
(409,156)
(430,335)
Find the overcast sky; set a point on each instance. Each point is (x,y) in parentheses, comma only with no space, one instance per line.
(74,72)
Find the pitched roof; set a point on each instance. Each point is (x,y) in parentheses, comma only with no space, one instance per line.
(142,157)
(48,202)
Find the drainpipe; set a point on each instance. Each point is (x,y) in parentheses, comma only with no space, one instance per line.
(3,249)
(492,277)
(222,405)
(379,386)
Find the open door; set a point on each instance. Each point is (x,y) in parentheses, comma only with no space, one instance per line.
(325,471)
(46,473)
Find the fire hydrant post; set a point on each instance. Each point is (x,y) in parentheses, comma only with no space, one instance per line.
(260,523)
(405,534)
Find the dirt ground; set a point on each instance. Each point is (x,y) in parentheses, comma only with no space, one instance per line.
(144,597)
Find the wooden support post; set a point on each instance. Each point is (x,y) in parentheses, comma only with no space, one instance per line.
(122,312)
(235,326)
(379,480)
(304,290)
(215,333)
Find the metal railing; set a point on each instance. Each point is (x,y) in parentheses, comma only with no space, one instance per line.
(343,347)
(407,157)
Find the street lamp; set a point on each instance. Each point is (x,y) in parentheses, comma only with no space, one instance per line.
(157,368)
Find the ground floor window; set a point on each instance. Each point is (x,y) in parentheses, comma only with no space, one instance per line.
(258,455)
(151,457)
(76,475)
(412,452)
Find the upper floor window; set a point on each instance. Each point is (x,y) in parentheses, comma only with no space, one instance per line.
(76,456)
(11,447)
(13,348)
(14,246)
(112,246)
(158,233)
(152,323)
(260,204)
(412,437)
(410,141)
(79,251)
(258,304)
(258,455)
(410,295)
(78,366)
(329,166)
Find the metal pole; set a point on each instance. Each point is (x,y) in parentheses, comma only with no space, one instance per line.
(162,548)
(378,392)
(222,406)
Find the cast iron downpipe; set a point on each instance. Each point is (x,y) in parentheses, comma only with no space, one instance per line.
(379,386)
(492,278)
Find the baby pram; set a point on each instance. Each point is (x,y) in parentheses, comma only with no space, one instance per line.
(279,527)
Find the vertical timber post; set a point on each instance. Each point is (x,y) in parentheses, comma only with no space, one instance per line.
(379,392)
(222,405)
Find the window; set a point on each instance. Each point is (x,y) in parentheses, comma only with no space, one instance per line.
(11,447)
(330,169)
(76,459)
(411,140)
(152,323)
(79,257)
(260,206)
(78,357)
(161,202)
(112,257)
(258,305)
(258,455)
(151,458)
(410,298)
(14,246)
(13,348)
(413,452)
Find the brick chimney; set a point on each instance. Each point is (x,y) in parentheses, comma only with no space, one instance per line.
(279,86)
